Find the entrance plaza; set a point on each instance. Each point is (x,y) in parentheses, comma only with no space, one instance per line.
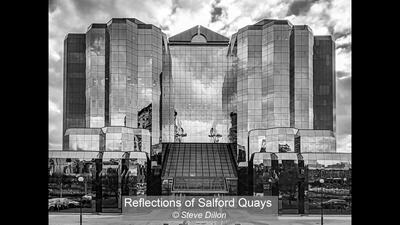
(111,219)
(209,169)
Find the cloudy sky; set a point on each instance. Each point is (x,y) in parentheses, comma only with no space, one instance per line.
(223,16)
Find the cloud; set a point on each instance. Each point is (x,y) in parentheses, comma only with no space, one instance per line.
(54,51)
(55,117)
(343,75)
(52,5)
(223,16)
(299,7)
(216,11)
(191,5)
(343,105)
(343,143)
(344,42)
(236,14)
(53,108)
(326,17)
(89,7)
(343,60)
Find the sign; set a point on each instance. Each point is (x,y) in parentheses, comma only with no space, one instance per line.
(200,208)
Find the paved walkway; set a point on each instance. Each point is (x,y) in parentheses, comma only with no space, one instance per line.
(116,219)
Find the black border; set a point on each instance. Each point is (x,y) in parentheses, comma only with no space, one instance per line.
(26,101)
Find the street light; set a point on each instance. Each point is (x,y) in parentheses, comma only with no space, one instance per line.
(80,179)
(321,181)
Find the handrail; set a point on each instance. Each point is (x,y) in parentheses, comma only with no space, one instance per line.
(164,161)
(233,159)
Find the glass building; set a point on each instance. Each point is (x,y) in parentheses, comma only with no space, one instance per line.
(274,65)
(201,113)
(199,65)
(116,67)
(199,86)
(74,83)
(84,139)
(95,76)
(324,83)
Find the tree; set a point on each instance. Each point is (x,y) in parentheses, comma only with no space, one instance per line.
(233,130)
(111,181)
(288,179)
(59,178)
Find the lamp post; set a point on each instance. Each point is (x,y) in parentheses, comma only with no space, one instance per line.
(270,186)
(321,181)
(344,184)
(214,137)
(80,179)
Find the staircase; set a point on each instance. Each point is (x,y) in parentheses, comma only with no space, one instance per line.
(199,168)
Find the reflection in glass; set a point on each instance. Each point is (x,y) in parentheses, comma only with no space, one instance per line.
(198,74)
(295,179)
(107,177)
(95,77)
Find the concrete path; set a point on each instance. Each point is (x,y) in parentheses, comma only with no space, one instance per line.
(117,219)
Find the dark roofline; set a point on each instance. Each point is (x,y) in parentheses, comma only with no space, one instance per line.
(324,37)
(272,21)
(263,24)
(97,25)
(185,37)
(74,34)
(139,23)
(123,20)
(302,27)
(182,32)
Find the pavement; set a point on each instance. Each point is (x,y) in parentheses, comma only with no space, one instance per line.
(118,219)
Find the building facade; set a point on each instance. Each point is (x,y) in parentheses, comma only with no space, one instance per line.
(74,102)
(324,83)
(116,67)
(274,65)
(199,86)
(198,107)
(294,177)
(199,65)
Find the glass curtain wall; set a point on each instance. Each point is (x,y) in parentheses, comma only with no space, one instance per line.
(123,72)
(149,70)
(167,101)
(107,177)
(74,85)
(303,77)
(324,83)
(276,82)
(64,190)
(295,179)
(335,193)
(95,75)
(198,73)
